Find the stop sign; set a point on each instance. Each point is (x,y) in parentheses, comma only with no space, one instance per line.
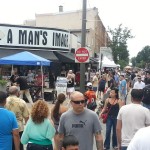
(82,55)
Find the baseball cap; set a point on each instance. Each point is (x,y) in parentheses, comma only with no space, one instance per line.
(89,84)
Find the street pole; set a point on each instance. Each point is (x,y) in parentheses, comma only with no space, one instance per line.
(83,43)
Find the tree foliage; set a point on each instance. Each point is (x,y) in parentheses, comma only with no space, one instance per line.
(142,59)
(133,61)
(118,44)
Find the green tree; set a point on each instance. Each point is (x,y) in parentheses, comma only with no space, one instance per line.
(133,61)
(143,57)
(118,44)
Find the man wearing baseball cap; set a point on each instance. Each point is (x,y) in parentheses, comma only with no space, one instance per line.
(90,97)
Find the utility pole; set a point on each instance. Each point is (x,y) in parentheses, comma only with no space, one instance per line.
(83,43)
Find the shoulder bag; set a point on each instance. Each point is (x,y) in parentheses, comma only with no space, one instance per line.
(104,116)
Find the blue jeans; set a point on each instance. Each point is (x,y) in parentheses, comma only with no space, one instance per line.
(124,148)
(32,146)
(111,122)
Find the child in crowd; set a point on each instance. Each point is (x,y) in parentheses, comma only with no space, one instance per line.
(70,142)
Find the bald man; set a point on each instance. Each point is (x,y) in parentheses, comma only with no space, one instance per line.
(82,123)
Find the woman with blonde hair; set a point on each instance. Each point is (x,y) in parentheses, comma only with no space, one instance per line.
(56,112)
(70,85)
(39,130)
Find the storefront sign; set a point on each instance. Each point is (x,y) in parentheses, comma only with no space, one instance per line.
(33,37)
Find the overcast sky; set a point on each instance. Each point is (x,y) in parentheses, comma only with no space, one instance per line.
(133,14)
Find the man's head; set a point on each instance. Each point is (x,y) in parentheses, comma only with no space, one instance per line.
(89,85)
(148,75)
(39,72)
(3,97)
(77,102)
(13,90)
(70,142)
(139,78)
(16,77)
(121,77)
(103,77)
(70,71)
(137,94)
(29,71)
(97,74)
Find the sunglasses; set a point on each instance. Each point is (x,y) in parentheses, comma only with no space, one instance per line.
(78,102)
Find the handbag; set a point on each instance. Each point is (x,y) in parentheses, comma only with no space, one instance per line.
(104,116)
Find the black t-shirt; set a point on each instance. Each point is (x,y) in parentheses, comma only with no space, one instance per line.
(133,76)
(114,109)
(111,83)
(146,95)
(23,83)
(70,83)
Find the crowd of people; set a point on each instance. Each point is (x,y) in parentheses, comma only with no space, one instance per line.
(75,127)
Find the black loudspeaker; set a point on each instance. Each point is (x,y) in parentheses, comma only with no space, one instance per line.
(48,96)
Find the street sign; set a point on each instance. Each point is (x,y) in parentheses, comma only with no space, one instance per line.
(82,55)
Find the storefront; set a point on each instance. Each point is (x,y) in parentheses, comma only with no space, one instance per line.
(37,40)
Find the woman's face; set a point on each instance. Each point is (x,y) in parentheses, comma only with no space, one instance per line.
(112,94)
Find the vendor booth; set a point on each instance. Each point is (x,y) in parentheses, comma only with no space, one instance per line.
(26,58)
(108,63)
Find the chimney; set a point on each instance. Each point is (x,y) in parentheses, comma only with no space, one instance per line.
(60,8)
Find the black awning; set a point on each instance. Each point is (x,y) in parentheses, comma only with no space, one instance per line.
(65,57)
(45,54)
(70,58)
(93,60)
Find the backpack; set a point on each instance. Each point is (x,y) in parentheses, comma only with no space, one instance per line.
(146,95)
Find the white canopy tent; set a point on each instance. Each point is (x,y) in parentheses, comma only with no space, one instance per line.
(108,63)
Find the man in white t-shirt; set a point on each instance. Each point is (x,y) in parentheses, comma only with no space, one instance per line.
(140,140)
(139,84)
(131,118)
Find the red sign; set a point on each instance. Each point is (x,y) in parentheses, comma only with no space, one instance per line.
(82,55)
